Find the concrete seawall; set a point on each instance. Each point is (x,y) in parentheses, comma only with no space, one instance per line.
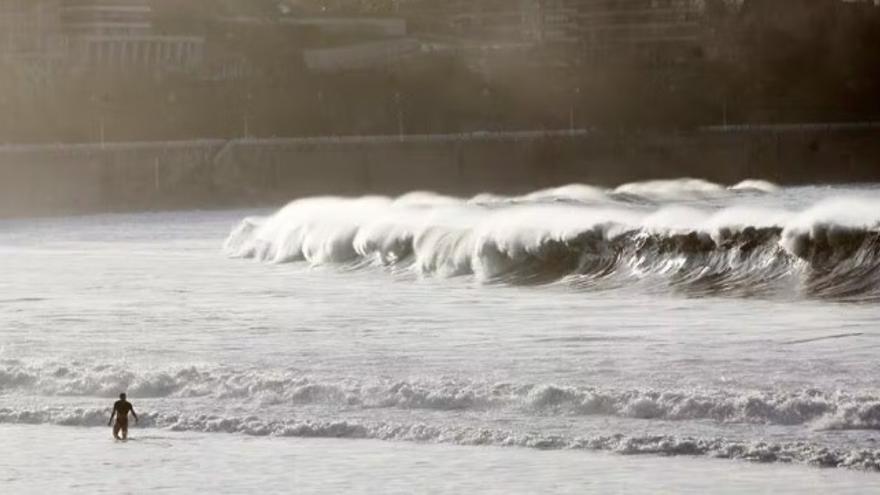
(215,173)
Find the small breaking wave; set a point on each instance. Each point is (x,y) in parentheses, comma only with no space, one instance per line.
(670,190)
(258,388)
(653,191)
(668,445)
(830,250)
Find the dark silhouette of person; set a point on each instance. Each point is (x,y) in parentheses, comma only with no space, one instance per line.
(121,408)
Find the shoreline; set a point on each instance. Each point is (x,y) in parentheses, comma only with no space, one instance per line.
(87,461)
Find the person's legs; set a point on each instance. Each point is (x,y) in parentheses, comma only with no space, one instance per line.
(116,428)
(123,425)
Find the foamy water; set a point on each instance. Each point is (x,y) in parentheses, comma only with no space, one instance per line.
(677,318)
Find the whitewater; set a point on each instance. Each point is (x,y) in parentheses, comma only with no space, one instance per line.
(624,338)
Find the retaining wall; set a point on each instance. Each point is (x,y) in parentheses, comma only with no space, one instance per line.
(216,173)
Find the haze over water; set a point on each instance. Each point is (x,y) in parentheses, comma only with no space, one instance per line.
(676,318)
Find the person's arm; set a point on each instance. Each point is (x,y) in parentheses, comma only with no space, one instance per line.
(134,414)
(111,416)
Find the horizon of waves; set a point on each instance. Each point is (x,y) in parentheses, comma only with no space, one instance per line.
(581,236)
(821,410)
(799,452)
(251,394)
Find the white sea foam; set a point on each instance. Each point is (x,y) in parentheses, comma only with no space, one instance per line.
(675,189)
(756,185)
(573,192)
(427,198)
(836,410)
(669,445)
(670,190)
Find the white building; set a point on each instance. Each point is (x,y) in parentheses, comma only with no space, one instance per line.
(360,56)
(635,22)
(591,24)
(377,27)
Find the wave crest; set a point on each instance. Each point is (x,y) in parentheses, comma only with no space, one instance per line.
(817,409)
(829,250)
(669,445)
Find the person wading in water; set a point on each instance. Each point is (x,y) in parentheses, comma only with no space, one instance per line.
(121,408)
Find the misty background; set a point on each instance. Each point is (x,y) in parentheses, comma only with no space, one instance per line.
(135,70)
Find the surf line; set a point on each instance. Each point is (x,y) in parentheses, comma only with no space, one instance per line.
(827,337)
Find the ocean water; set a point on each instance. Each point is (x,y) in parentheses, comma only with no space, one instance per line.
(695,326)
(186,462)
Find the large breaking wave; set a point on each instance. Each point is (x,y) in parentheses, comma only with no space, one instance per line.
(591,238)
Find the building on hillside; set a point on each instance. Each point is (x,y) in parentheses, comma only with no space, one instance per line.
(119,34)
(585,30)
(365,27)
(656,28)
(361,56)
(335,44)
(489,21)
(356,43)
(484,34)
